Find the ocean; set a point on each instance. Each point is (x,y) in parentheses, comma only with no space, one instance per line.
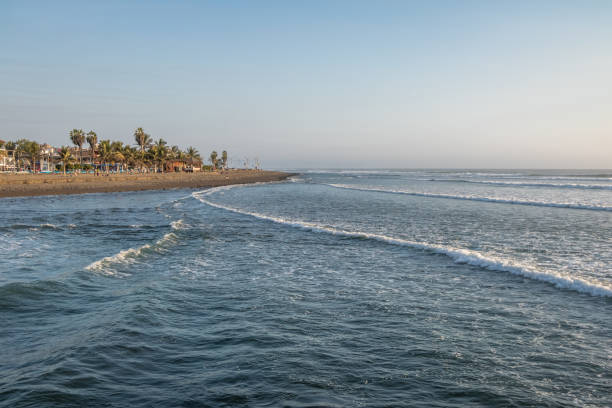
(336,288)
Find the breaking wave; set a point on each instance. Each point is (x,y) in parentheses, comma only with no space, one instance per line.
(460,256)
(477,198)
(49,226)
(131,255)
(127,256)
(178,225)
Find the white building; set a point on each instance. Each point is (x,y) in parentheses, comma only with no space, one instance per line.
(7,161)
(47,155)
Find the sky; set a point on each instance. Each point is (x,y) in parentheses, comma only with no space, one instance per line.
(320,84)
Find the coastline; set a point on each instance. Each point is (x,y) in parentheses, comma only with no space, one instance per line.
(27,185)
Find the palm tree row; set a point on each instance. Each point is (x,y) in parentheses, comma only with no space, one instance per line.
(216,162)
(145,155)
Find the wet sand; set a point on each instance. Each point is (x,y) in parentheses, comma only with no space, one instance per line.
(17,185)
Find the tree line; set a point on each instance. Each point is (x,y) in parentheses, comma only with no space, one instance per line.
(144,155)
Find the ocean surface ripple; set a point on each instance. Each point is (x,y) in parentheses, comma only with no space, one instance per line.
(338,288)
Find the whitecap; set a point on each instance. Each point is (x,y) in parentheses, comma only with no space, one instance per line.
(126,256)
(49,226)
(576,206)
(458,255)
(530,184)
(178,225)
(131,255)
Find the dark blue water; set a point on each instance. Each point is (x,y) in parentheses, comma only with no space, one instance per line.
(377,288)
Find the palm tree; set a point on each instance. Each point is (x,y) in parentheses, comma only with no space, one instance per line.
(224,159)
(21,148)
(92,139)
(213,159)
(117,153)
(192,155)
(143,140)
(33,151)
(65,156)
(175,154)
(77,136)
(49,155)
(160,153)
(129,156)
(148,160)
(182,157)
(105,152)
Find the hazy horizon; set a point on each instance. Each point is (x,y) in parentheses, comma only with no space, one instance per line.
(392,84)
(444,169)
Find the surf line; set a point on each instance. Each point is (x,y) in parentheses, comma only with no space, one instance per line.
(524,184)
(473,198)
(460,256)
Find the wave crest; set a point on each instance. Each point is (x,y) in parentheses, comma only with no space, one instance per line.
(131,255)
(524,184)
(461,256)
(477,198)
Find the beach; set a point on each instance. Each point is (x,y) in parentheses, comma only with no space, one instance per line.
(17,185)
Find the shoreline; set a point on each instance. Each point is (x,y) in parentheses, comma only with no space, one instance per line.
(29,185)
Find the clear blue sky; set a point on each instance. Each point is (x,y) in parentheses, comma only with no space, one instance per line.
(319,83)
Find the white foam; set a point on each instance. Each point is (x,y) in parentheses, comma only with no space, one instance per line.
(170,237)
(576,206)
(127,256)
(49,226)
(355,171)
(178,225)
(130,256)
(461,256)
(531,184)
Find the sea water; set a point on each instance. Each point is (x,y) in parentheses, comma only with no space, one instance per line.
(334,288)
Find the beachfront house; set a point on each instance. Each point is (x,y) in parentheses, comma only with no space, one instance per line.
(48,156)
(174,166)
(7,161)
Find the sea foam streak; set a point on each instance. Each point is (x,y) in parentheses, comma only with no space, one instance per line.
(461,256)
(129,256)
(477,198)
(523,184)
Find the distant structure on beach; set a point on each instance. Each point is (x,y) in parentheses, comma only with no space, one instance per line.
(145,156)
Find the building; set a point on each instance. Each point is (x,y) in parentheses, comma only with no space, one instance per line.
(48,157)
(7,161)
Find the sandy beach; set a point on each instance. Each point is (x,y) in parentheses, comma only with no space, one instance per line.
(17,185)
